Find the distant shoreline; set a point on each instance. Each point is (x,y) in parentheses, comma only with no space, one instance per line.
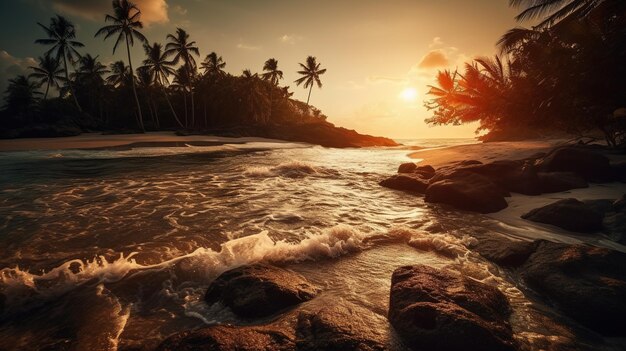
(116,141)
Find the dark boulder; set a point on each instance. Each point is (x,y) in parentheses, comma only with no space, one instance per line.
(408,167)
(425,172)
(586,283)
(259,290)
(405,182)
(514,176)
(502,251)
(554,182)
(593,166)
(467,191)
(569,214)
(619,171)
(231,338)
(434,309)
(342,327)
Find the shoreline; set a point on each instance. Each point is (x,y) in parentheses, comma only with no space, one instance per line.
(95,141)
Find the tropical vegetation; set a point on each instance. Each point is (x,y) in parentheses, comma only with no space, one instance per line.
(71,91)
(566,74)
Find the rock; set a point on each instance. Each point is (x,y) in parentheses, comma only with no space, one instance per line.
(425,172)
(620,204)
(231,338)
(467,191)
(586,283)
(408,167)
(434,309)
(513,176)
(502,251)
(340,327)
(619,171)
(569,214)
(259,290)
(554,182)
(405,182)
(592,166)
(470,162)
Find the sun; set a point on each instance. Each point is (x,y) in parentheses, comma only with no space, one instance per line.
(409,94)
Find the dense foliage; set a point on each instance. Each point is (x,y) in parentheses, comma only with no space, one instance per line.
(170,90)
(565,74)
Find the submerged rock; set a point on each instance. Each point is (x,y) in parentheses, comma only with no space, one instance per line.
(467,191)
(503,251)
(569,214)
(434,309)
(586,283)
(344,327)
(405,182)
(231,338)
(591,165)
(260,290)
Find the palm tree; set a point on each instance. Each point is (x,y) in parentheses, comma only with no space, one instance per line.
(311,73)
(552,12)
(183,50)
(159,68)
(61,34)
(272,73)
(126,24)
(120,74)
(182,83)
(213,65)
(48,72)
(89,75)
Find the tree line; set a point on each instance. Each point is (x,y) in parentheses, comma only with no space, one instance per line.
(567,73)
(170,89)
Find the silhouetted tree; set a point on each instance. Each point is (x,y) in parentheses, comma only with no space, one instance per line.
(61,34)
(20,95)
(213,65)
(183,50)
(47,72)
(126,24)
(310,73)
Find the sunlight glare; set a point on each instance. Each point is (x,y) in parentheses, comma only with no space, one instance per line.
(409,94)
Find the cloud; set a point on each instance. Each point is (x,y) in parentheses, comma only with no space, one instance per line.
(436,42)
(434,59)
(11,66)
(243,46)
(152,11)
(290,39)
(179,10)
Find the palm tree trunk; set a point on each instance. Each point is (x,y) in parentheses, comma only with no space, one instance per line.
(307,99)
(69,83)
(132,76)
(155,106)
(193,111)
(172,108)
(206,124)
(185,106)
(47,88)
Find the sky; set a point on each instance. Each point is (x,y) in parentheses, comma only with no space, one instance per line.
(379,55)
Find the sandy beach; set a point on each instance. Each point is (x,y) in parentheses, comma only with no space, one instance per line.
(97,140)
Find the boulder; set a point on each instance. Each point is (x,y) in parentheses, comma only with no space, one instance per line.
(569,214)
(554,182)
(259,290)
(592,166)
(467,191)
(408,167)
(231,338)
(619,171)
(425,172)
(405,182)
(586,283)
(502,251)
(433,309)
(515,176)
(342,327)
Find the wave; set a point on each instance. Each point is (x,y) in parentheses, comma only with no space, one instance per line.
(330,243)
(292,169)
